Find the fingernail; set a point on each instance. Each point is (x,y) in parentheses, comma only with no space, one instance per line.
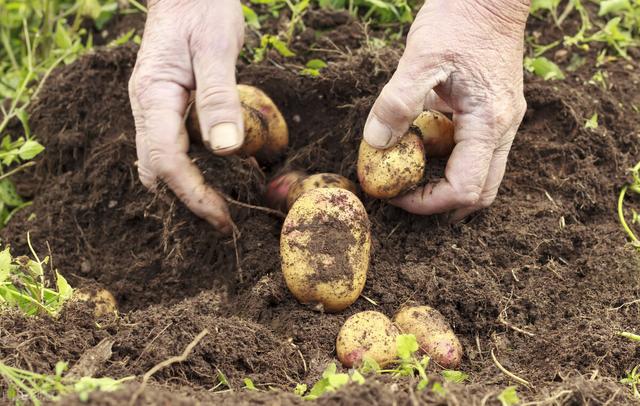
(377,134)
(225,138)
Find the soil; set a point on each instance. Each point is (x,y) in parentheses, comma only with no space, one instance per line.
(543,278)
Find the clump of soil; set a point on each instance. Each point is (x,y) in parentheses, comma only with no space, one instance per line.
(543,278)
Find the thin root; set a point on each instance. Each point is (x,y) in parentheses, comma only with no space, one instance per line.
(511,375)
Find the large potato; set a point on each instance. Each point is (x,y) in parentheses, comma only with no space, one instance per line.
(325,245)
(101,299)
(367,334)
(387,173)
(318,181)
(434,335)
(278,132)
(437,133)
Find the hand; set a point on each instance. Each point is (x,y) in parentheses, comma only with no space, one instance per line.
(187,44)
(464,57)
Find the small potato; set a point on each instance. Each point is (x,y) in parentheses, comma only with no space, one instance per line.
(325,245)
(103,301)
(317,181)
(255,128)
(434,335)
(367,334)
(437,133)
(278,132)
(387,173)
(278,189)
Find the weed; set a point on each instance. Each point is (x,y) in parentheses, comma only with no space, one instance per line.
(22,383)
(633,187)
(633,379)
(592,123)
(509,396)
(23,284)
(313,67)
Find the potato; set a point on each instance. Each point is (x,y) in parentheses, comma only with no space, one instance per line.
(434,335)
(325,245)
(317,181)
(367,334)
(103,301)
(278,132)
(278,189)
(387,173)
(437,133)
(256,130)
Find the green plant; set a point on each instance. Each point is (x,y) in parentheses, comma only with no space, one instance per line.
(23,284)
(313,67)
(543,67)
(633,379)
(633,187)
(330,382)
(23,383)
(509,396)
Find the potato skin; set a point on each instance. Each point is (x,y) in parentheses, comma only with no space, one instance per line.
(317,181)
(437,133)
(255,131)
(387,173)
(278,189)
(367,334)
(434,335)
(324,246)
(103,301)
(278,133)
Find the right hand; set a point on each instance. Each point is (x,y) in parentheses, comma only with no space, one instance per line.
(187,45)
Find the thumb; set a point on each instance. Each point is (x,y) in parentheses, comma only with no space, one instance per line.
(402,99)
(217,99)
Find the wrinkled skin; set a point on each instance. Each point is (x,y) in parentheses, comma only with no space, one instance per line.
(181,51)
(463,57)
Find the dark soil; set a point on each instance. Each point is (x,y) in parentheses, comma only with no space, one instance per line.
(542,278)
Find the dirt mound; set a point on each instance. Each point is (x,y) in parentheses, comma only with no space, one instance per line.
(541,278)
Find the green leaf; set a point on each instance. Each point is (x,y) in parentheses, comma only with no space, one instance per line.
(5,264)
(281,47)
(30,149)
(250,17)
(544,68)
(592,123)
(62,37)
(300,389)
(509,396)
(613,6)
(357,377)
(321,387)
(9,194)
(329,370)
(123,39)
(338,380)
(544,5)
(248,384)
(316,64)
(23,116)
(438,389)
(64,289)
(454,376)
(310,72)
(90,8)
(61,366)
(406,345)
(369,365)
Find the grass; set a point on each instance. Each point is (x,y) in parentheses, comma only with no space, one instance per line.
(36,36)
(23,384)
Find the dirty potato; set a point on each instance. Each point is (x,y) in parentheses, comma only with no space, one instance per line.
(367,334)
(325,245)
(387,173)
(434,335)
(317,181)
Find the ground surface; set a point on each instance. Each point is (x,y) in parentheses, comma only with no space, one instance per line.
(548,257)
